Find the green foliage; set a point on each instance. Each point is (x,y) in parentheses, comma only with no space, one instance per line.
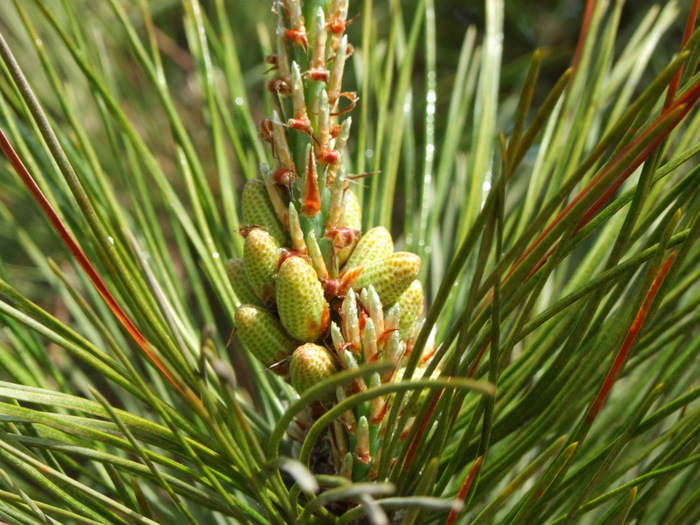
(555,212)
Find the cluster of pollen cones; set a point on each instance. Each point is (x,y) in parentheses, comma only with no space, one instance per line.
(317,294)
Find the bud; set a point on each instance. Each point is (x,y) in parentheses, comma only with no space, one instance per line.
(301,304)
(261,254)
(339,440)
(337,72)
(298,244)
(393,354)
(392,317)
(369,342)
(318,51)
(316,256)
(362,451)
(345,470)
(378,406)
(258,209)
(241,287)
(390,276)
(337,337)
(350,321)
(310,364)
(376,244)
(335,202)
(373,306)
(347,418)
(350,363)
(264,337)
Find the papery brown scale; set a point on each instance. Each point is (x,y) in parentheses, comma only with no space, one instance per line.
(344,241)
(357,386)
(328,156)
(363,319)
(298,38)
(286,254)
(337,26)
(351,96)
(284,177)
(348,346)
(426,357)
(317,74)
(343,237)
(279,86)
(266,130)
(244,231)
(301,124)
(330,288)
(346,279)
(385,335)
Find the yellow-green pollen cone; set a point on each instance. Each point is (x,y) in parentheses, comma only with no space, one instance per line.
(258,210)
(301,304)
(235,269)
(264,337)
(412,304)
(261,253)
(310,364)
(372,246)
(390,276)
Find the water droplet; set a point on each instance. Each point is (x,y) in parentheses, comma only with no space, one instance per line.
(369,153)
(238,101)
(215,255)
(111,240)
